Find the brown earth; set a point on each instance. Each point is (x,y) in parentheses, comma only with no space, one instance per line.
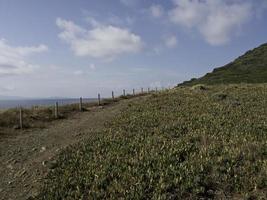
(27,156)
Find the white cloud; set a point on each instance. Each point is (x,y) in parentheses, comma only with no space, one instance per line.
(13,59)
(156,11)
(78,72)
(101,41)
(7,88)
(111,19)
(92,66)
(86,71)
(171,41)
(217,20)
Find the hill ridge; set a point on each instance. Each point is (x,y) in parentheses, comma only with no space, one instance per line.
(251,67)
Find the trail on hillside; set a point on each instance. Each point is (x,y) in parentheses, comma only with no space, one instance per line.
(26,159)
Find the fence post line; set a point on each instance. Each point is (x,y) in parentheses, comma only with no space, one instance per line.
(56,110)
(20,118)
(124,93)
(81,104)
(112,94)
(99,100)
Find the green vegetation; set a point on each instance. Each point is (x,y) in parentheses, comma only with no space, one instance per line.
(187,143)
(249,68)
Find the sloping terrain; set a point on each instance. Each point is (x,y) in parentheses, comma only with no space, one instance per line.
(249,68)
(27,156)
(200,142)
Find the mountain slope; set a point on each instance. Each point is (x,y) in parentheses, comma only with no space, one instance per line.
(249,68)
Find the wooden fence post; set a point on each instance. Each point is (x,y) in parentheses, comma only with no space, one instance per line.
(124,93)
(20,118)
(81,104)
(148,90)
(99,100)
(142,90)
(112,94)
(133,92)
(156,89)
(56,110)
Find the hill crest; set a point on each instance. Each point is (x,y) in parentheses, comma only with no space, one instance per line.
(248,68)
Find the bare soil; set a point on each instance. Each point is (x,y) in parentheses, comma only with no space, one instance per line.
(27,156)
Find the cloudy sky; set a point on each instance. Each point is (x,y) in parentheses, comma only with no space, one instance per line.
(73,48)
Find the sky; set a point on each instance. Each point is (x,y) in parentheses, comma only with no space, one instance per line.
(73,48)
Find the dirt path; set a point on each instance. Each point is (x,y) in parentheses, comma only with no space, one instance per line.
(26,159)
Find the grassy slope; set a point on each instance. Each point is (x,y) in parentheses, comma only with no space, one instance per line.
(186,144)
(249,68)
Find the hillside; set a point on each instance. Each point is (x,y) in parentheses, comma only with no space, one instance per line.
(205,142)
(249,68)
(27,155)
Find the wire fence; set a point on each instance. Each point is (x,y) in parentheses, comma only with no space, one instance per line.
(99,101)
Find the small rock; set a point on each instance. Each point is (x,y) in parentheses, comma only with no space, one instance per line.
(44,163)
(9,166)
(10,182)
(58,150)
(43,149)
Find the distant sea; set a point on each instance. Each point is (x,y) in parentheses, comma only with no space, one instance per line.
(28,103)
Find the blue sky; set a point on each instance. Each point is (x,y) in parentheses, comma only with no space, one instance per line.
(73,48)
